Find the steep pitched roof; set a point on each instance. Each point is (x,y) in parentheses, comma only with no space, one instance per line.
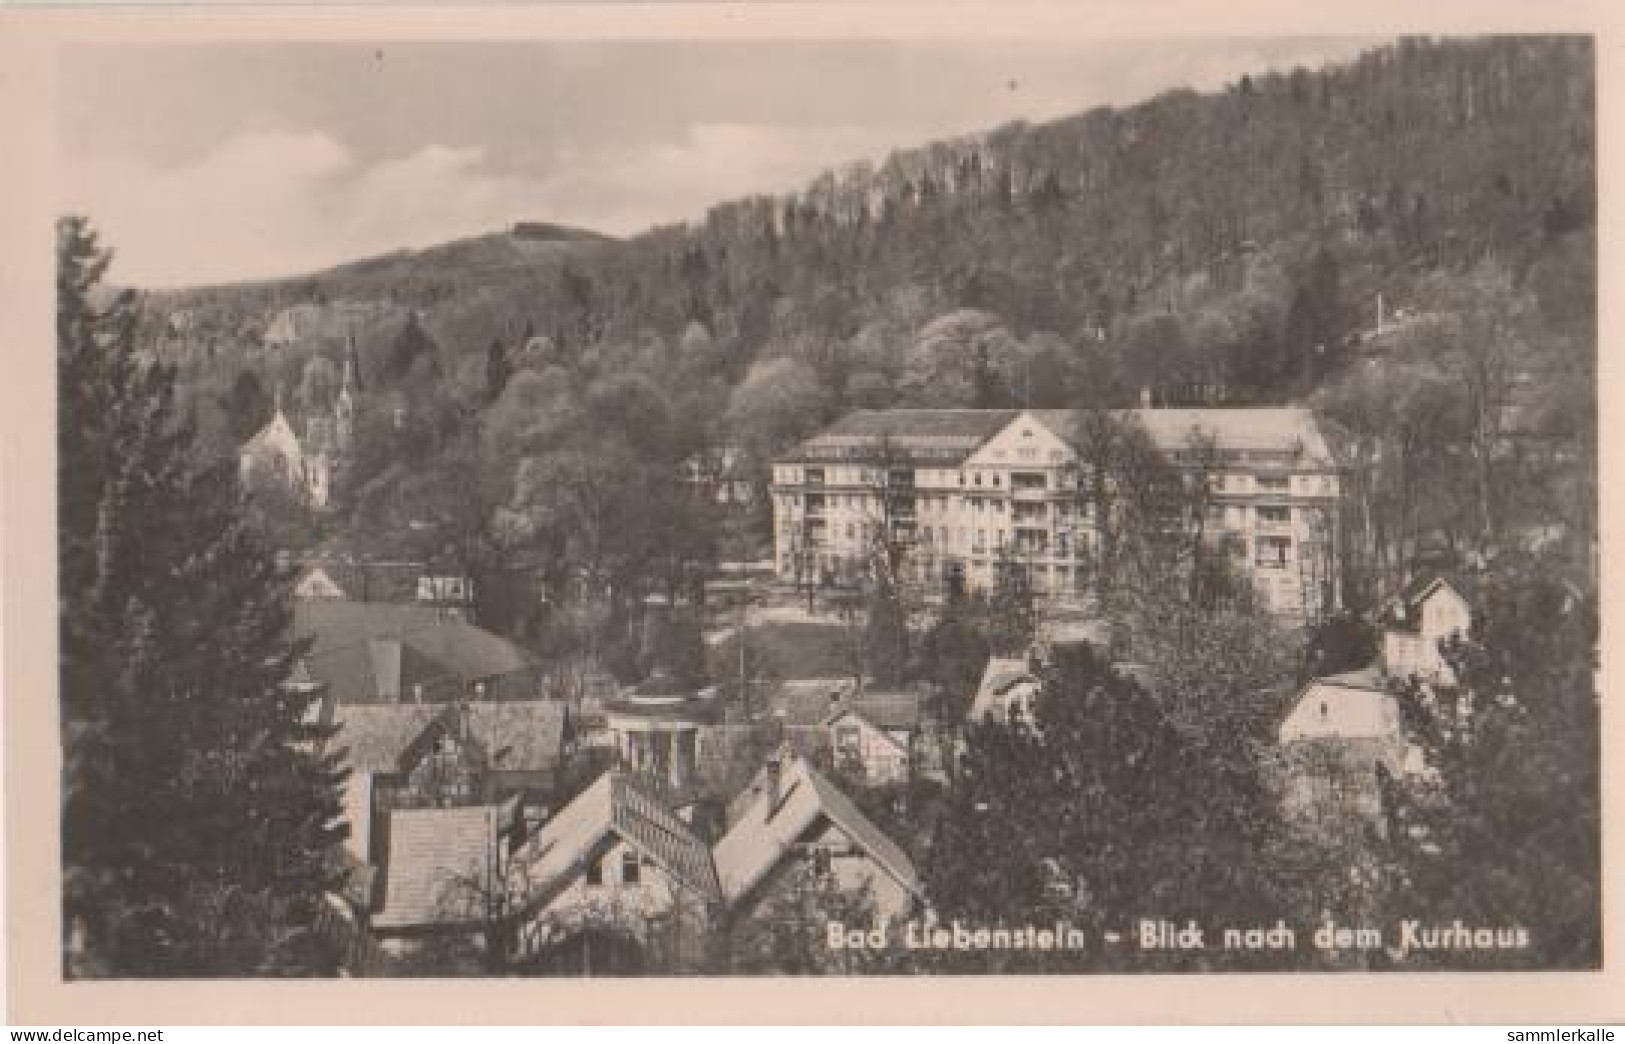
(767,829)
(441,868)
(378,735)
(644,821)
(1403,610)
(277,436)
(519,735)
(615,805)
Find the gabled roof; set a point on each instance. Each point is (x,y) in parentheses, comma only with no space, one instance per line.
(1404,608)
(806,703)
(442,866)
(378,735)
(319,581)
(887,711)
(615,805)
(277,436)
(519,735)
(516,736)
(767,829)
(1358,684)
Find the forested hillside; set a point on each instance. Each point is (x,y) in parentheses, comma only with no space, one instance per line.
(1406,242)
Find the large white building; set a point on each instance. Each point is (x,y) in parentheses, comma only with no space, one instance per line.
(968,490)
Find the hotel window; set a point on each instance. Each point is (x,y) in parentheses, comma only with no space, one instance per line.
(1274,514)
(1272,483)
(1271,552)
(631,869)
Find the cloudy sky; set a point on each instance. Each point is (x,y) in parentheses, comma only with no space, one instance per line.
(209,164)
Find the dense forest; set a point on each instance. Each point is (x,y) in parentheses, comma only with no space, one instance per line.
(1405,242)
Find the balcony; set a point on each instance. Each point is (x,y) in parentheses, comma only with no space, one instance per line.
(1273,523)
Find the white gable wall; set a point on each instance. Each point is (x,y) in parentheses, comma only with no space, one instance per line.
(853,869)
(1339,712)
(1025,442)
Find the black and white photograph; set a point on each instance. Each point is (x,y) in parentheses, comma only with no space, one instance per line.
(646,508)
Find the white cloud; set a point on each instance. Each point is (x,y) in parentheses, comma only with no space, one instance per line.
(245,203)
(275,202)
(270,203)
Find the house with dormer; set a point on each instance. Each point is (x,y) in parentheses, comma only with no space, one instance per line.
(792,818)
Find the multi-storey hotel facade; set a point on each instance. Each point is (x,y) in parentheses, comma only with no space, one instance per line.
(969,492)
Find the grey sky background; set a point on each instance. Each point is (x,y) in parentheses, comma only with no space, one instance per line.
(205,164)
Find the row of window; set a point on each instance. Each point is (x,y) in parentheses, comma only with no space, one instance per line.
(1268,513)
(1269,482)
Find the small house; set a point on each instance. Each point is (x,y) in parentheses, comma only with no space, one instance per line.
(1416,622)
(617,870)
(791,817)
(872,736)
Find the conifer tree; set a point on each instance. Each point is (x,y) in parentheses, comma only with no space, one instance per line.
(1101,811)
(1504,828)
(200,810)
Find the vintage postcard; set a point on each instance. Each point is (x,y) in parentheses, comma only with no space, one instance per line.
(856,512)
